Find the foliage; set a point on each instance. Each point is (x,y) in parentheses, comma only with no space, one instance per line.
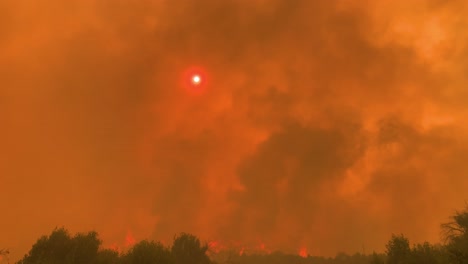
(377,259)
(456,237)
(60,248)
(107,256)
(146,252)
(398,250)
(187,249)
(429,254)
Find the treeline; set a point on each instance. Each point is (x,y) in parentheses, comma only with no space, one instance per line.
(453,250)
(282,258)
(61,248)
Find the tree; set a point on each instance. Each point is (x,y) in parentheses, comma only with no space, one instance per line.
(456,236)
(398,250)
(84,248)
(107,256)
(187,249)
(51,249)
(428,254)
(146,252)
(376,259)
(60,248)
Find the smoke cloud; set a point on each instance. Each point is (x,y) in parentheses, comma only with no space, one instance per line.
(323,126)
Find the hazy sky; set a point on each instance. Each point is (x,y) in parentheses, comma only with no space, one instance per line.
(324,126)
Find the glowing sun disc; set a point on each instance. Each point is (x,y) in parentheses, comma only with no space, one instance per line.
(196,79)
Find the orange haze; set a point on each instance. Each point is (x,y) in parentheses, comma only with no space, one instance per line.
(322,126)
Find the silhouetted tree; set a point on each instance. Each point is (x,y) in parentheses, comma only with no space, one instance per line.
(187,249)
(51,249)
(456,237)
(376,259)
(84,248)
(398,250)
(428,254)
(60,248)
(146,252)
(107,256)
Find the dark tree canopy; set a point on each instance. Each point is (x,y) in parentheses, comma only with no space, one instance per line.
(398,250)
(146,252)
(60,248)
(108,256)
(456,236)
(84,248)
(376,259)
(187,249)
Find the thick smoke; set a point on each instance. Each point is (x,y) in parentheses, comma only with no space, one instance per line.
(325,125)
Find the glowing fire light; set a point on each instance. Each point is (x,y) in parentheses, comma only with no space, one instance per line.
(303,252)
(214,246)
(129,240)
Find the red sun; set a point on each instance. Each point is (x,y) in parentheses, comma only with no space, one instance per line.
(195,80)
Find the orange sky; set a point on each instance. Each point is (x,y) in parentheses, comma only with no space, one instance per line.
(323,126)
